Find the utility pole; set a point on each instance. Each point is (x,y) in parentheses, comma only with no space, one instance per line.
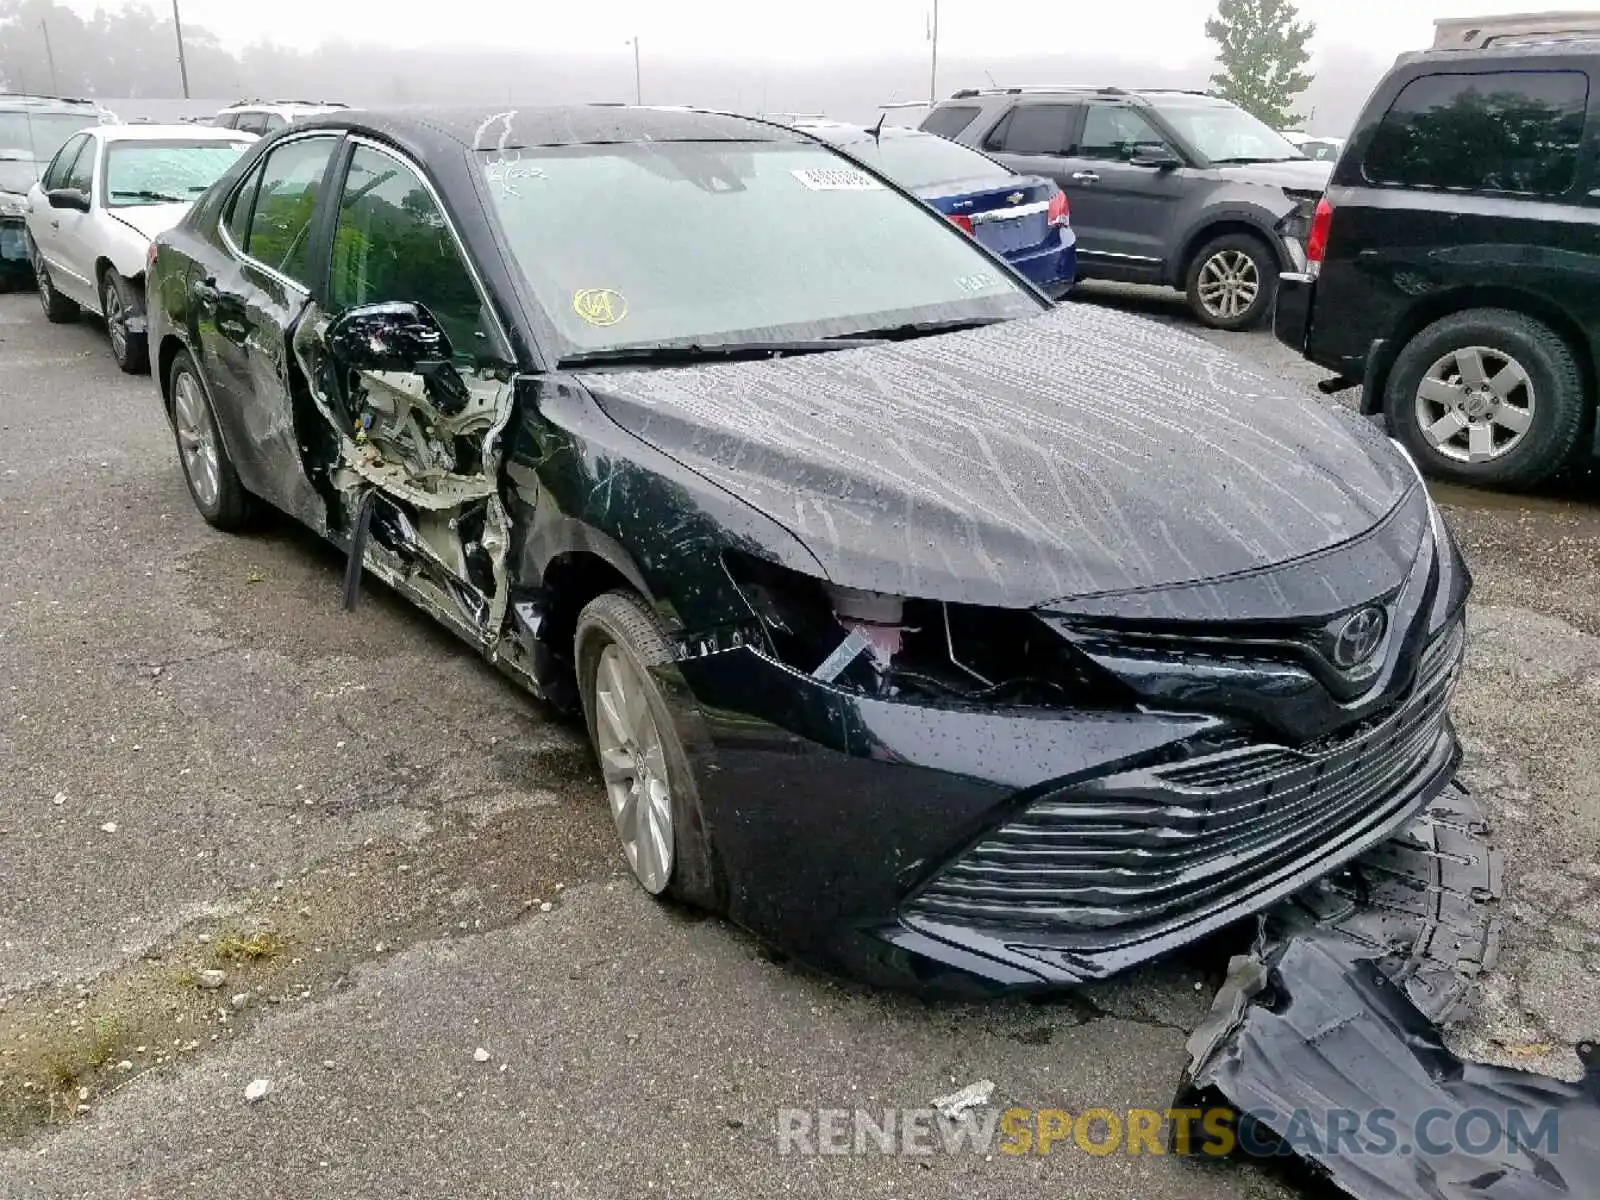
(183,66)
(933,67)
(50,57)
(638,92)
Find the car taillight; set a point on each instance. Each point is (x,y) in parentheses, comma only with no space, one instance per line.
(1058,213)
(1317,242)
(961,221)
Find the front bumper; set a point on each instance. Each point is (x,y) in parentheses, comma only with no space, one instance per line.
(966,852)
(14,258)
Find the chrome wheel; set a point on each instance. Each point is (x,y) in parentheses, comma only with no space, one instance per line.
(111,305)
(635,768)
(1475,404)
(1229,284)
(197,439)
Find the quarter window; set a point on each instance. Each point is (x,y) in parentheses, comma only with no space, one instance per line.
(950,120)
(1116,134)
(392,243)
(1506,131)
(1034,129)
(286,200)
(238,218)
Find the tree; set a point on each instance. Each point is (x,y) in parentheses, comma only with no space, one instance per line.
(1261,50)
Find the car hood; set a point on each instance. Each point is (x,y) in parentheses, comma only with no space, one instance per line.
(1079,452)
(17,175)
(150,219)
(1301,174)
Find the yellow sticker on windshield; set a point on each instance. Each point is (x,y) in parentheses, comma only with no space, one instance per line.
(599,306)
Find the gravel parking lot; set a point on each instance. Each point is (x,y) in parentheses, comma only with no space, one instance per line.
(396,860)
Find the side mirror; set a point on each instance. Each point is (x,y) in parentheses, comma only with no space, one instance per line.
(1157,158)
(398,335)
(68,198)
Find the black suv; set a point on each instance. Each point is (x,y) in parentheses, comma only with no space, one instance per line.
(1166,187)
(1455,261)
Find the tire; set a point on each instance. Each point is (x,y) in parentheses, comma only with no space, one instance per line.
(120,301)
(615,631)
(207,470)
(1219,275)
(1514,428)
(58,310)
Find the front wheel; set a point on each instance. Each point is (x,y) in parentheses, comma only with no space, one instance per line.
(1231,282)
(1489,397)
(650,787)
(122,305)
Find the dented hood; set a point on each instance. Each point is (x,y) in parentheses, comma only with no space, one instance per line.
(1077,452)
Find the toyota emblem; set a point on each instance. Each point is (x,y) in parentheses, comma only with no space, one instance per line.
(1358,638)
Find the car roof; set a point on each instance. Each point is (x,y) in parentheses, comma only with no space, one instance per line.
(15,100)
(1577,49)
(425,128)
(163,133)
(842,133)
(318,105)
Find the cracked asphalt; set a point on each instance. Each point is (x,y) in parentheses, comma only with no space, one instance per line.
(397,859)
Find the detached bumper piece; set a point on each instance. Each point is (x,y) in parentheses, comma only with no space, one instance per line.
(1334,1011)
(1095,877)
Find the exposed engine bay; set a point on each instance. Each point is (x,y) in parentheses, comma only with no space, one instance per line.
(922,650)
(417,463)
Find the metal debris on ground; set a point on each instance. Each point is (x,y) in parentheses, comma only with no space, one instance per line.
(974,1095)
(1335,1011)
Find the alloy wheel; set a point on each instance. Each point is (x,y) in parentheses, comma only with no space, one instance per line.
(1229,284)
(197,439)
(111,305)
(635,769)
(1475,404)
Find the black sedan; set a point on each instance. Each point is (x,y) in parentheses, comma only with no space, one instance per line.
(934,633)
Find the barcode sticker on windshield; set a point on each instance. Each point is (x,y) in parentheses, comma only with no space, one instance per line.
(836,179)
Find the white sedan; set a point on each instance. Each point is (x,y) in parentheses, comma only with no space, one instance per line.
(92,216)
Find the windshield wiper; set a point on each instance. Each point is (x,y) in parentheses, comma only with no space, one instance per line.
(695,352)
(915,329)
(146,194)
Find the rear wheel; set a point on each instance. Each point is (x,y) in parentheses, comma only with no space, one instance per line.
(1231,281)
(1488,396)
(121,304)
(57,308)
(213,482)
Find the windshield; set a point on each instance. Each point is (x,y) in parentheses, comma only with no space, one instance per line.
(1224,133)
(150,172)
(926,161)
(40,135)
(701,243)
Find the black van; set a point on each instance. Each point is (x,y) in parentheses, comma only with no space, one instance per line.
(1454,262)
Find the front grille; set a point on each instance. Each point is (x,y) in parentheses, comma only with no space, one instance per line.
(1100,863)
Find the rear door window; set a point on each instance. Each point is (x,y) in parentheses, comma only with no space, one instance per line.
(1504,131)
(286,200)
(253,122)
(950,119)
(1034,129)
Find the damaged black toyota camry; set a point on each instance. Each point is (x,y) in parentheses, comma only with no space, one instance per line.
(938,635)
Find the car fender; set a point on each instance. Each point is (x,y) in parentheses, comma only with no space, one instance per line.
(1258,208)
(115,242)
